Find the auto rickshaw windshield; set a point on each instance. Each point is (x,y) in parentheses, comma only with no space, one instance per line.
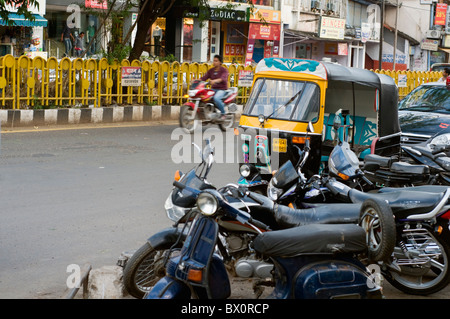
(284,99)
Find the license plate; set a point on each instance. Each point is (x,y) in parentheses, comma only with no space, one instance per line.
(279,145)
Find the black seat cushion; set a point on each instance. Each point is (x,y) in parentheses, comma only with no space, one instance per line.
(338,213)
(312,239)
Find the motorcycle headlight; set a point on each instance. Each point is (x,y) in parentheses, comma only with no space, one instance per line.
(207,204)
(174,212)
(443,139)
(272,191)
(245,170)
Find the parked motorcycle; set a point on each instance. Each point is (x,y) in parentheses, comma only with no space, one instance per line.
(310,262)
(201,108)
(146,265)
(426,163)
(422,216)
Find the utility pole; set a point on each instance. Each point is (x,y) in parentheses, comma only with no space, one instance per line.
(380,54)
(395,36)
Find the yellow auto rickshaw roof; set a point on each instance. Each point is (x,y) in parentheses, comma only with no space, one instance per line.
(303,66)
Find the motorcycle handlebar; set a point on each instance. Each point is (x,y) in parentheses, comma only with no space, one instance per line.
(179,185)
(440,149)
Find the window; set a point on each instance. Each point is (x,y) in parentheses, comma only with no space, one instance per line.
(285,100)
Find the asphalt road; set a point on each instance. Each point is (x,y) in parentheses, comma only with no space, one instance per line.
(76,195)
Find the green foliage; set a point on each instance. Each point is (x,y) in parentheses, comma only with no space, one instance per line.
(118,52)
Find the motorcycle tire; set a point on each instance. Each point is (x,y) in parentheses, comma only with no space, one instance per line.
(422,281)
(378,221)
(186,121)
(143,270)
(228,123)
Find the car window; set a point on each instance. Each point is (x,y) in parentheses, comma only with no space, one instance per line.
(427,99)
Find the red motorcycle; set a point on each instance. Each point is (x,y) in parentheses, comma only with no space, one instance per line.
(201,108)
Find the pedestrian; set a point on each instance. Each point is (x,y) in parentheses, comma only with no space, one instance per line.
(67,38)
(445,74)
(218,78)
(79,44)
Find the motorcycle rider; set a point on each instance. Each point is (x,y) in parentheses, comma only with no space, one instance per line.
(218,78)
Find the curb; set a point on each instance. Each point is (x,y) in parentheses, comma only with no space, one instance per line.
(110,114)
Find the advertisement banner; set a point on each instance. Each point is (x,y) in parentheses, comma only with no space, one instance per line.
(441,13)
(264,32)
(264,15)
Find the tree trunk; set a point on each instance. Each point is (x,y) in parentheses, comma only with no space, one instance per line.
(151,10)
(144,24)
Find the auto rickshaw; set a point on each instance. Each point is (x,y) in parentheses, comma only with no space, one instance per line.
(288,95)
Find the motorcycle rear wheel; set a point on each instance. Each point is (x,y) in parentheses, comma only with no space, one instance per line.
(427,278)
(143,270)
(377,219)
(187,120)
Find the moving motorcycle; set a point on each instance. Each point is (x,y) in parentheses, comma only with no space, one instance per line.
(316,261)
(201,108)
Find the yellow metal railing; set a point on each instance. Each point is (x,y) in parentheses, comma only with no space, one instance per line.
(39,83)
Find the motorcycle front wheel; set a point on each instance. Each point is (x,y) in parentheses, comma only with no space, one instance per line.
(188,120)
(228,123)
(423,259)
(143,270)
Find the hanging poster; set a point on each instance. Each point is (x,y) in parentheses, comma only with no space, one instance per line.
(441,13)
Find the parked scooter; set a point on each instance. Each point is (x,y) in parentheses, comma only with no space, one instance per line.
(201,108)
(302,257)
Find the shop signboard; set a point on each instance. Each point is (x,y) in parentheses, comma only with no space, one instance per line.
(264,32)
(447,22)
(441,13)
(96,4)
(245,78)
(131,76)
(263,16)
(332,28)
(430,45)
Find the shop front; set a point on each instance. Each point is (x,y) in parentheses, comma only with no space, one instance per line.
(264,32)
(23,36)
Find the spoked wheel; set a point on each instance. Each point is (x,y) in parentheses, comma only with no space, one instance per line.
(423,260)
(228,123)
(377,219)
(143,270)
(188,120)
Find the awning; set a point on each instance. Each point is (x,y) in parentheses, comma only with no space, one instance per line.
(446,50)
(18,20)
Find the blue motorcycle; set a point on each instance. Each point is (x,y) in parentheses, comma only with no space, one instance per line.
(312,261)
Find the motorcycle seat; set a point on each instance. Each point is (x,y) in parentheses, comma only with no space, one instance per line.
(402,202)
(406,168)
(312,239)
(421,188)
(339,213)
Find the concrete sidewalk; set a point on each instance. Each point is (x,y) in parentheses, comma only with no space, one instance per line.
(111,114)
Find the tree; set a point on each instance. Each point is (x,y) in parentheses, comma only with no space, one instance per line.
(22,7)
(150,10)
